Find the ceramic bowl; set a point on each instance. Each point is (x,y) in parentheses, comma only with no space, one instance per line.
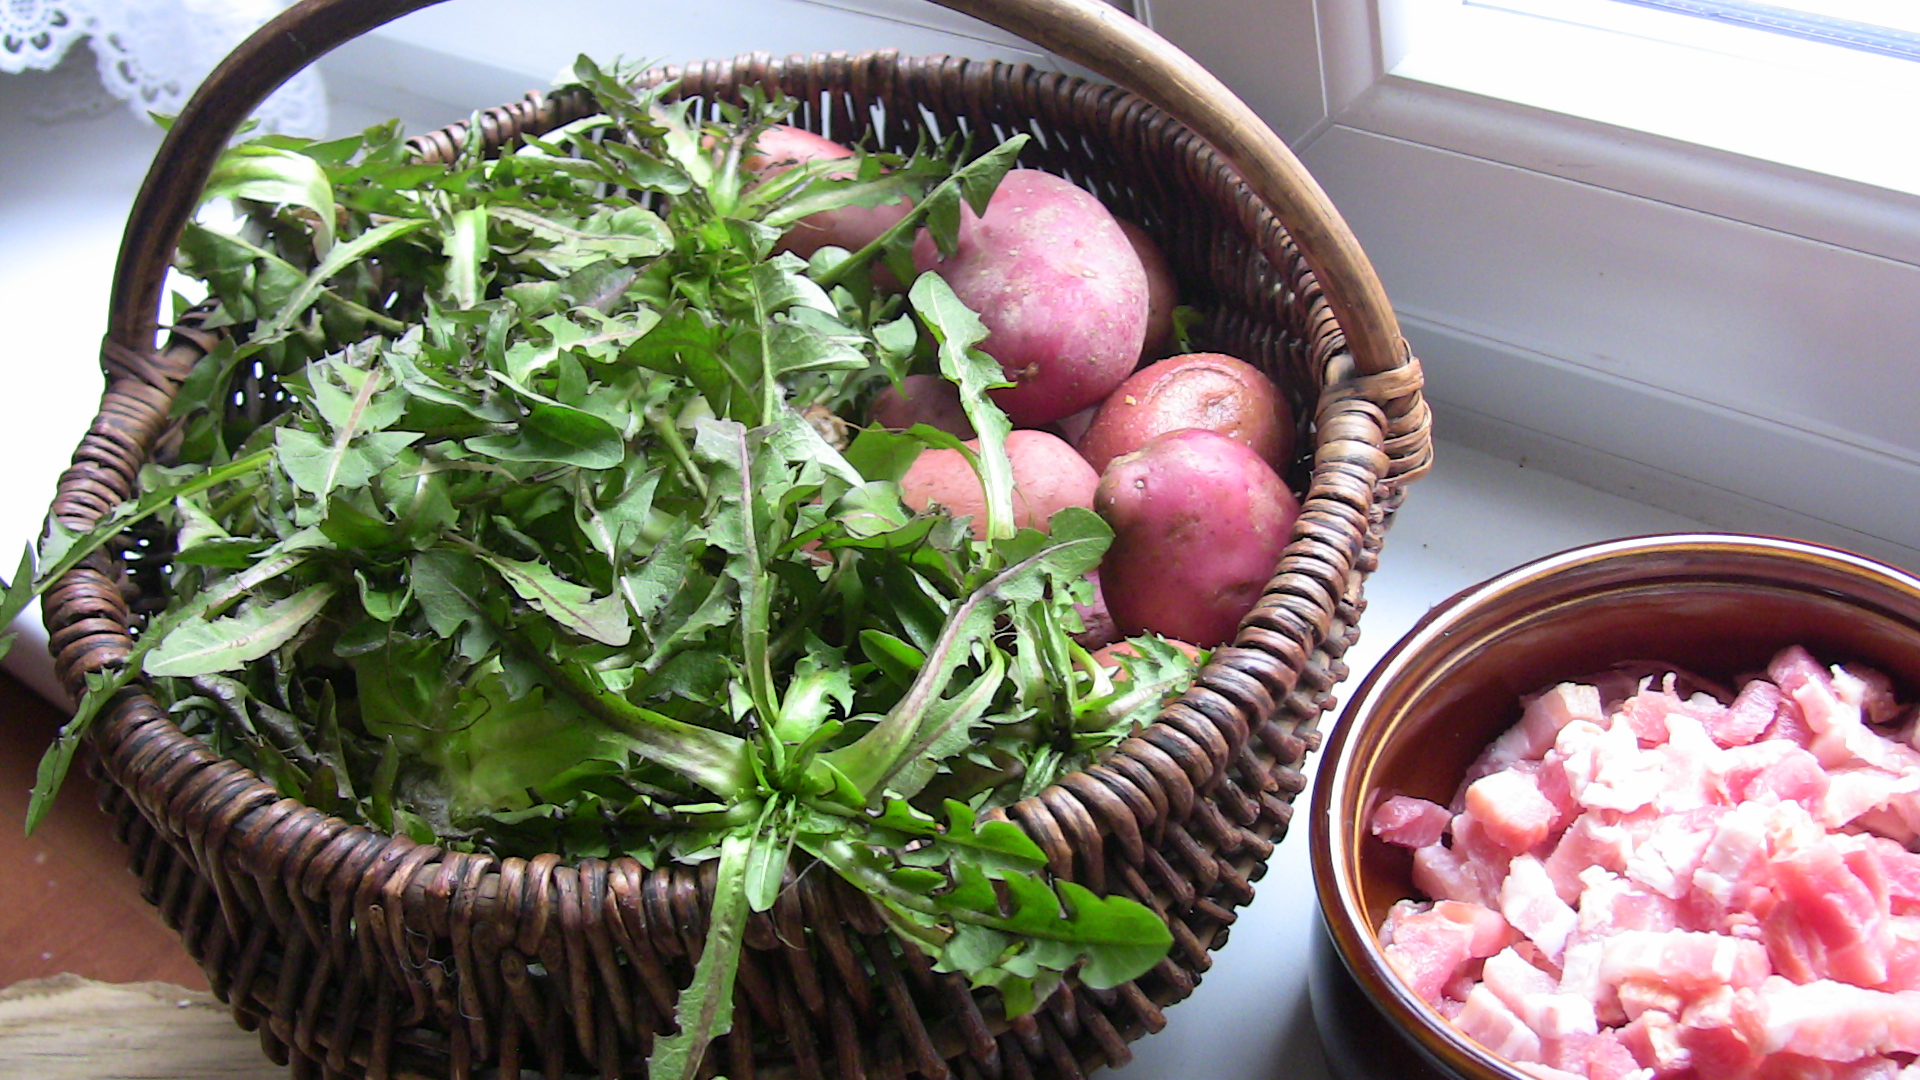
(1717,605)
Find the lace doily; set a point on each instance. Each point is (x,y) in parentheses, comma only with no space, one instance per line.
(148,53)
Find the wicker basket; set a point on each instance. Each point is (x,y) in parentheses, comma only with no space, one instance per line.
(355,953)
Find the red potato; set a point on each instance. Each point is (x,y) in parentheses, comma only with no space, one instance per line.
(1059,288)
(1163,295)
(1199,523)
(1200,390)
(1099,630)
(1048,475)
(1072,427)
(922,399)
(851,227)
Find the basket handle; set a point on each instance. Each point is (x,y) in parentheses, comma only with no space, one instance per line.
(1087,32)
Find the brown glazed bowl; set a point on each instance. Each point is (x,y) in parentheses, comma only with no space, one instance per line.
(1714,604)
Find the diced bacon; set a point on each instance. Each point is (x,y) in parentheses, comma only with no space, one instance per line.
(1829,903)
(1530,903)
(1771,770)
(1540,722)
(1853,790)
(1733,865)
(1689,963)
(1653,1037)
(1429,947)
(1511,807)
(1607,1058)
(1611,903)
(1410,822)
(1639,996)
(1488,1021)
(1895,821)
(1902,870)
(1534,996)
(1442,873)
(1839,730)
(1869,690)
(1903,955)
(1646,713)
(1580,975)
(1624,777)
(1426,949)
(1836,1021)
(1645,886)
(1685,759)
(1666,859)
(1752,710)
(1720,1033)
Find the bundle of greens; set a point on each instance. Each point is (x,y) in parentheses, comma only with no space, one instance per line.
(516,514)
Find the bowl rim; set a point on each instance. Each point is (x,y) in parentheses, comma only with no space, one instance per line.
(1356,945)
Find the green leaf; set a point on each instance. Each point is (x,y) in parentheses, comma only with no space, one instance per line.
(63,549)
(280,177)
(957,330)
(317,465)
(204,647)
(560,434)
(625,233)
(465,247)
(705,1009)
(1128,939)
(337,259)
(604,618)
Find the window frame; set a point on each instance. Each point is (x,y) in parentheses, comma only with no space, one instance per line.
(1719,401)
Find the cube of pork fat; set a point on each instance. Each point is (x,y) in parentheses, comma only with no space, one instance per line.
(1429,946)
(1409,822)
(1834,1021)
(1833,916)
(1540,724)
(1488,1021)
(1840,734)
(1513,809)
(1534,996)
(1530,902)
(1685,962)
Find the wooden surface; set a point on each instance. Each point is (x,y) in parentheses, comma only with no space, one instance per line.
(68,903)
(70,1028)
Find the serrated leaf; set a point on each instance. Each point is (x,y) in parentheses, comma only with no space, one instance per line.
(338,258)
(705,1008)
(957,330)
(204,647)
(1129,938)
(317,466)
(572,605)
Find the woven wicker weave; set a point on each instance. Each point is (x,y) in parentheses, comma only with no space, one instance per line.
(355,953)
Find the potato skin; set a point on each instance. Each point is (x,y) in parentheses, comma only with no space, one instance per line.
(852,227)
(1199,523)
(922,399)
(1099,629)
(1163,293)
(1060,290)
(1048,475)
(1201,390)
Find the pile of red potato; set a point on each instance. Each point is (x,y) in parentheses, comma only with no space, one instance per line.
(1182,456)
